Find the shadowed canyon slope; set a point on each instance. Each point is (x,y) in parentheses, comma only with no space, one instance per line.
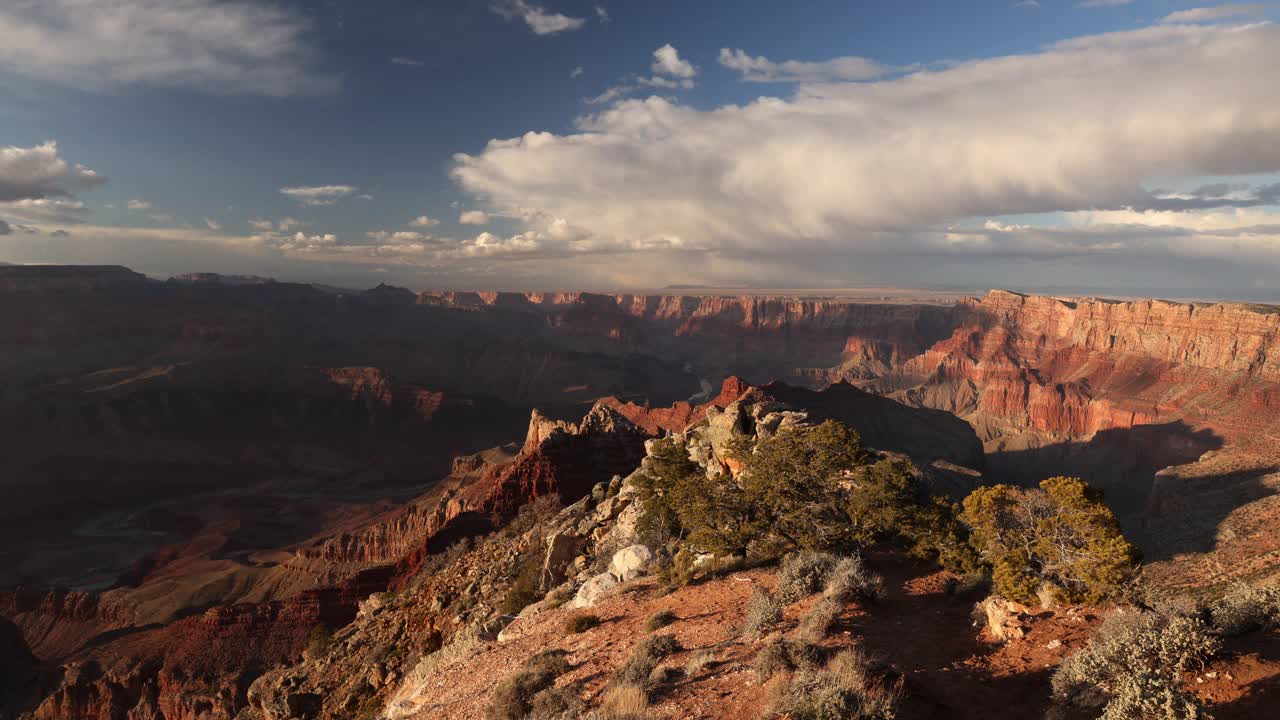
(216,466)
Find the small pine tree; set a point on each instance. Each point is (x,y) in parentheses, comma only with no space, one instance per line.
(709,514)
(795,478)
(1061,533)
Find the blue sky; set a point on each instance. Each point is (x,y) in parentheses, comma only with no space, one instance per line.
(375,100)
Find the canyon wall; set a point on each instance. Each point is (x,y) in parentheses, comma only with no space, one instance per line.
(1171,408)
(228,464)
(812,341)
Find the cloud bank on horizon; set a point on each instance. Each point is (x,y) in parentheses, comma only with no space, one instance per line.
(1149,150)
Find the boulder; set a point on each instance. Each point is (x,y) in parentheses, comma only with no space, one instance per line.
(1006,619)
(562,548)
(772,423)
(630,562)
(594,590)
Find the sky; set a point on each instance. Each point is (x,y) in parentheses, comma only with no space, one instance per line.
(1126,146)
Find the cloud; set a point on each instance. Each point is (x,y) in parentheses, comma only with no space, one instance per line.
(883,168)
(55,210)
(39,172)
(539,20)
(762,69)
(424,221)
(670,71)
(59,234)
(386,243)
(603,15)
(610,94)
(5,228)
(1027,4)
(474,217)
(284,225)
(298,242)
(400,235)
(314,195)
(212,46)
(575,72)
(212,224)
(138,204)
(1102,3)
(1220,12)
(667,61)
(411,62)
(1216,195)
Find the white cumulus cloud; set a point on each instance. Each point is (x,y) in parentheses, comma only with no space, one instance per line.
(885,165)
(474,217)
(667,61)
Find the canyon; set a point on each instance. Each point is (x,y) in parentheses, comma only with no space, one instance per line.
(201,471)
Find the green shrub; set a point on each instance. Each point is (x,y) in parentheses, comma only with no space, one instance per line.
(794,480)
(1061,533)
(818,622)
(580,623)
(802,574)
(525,588)
(764,612)
(969,586)
(781,655)
(675,571)
(1246,609)
(555,703)
(646,656)
(850,579)
(515,696)
(1136,661)
(659,620)
(887,501)
(679,501)
(806,487)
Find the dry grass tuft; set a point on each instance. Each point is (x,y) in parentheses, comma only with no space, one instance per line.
(624,702)
(845,690)
(580,623)
(698,662)
(659,620)
(764,612)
